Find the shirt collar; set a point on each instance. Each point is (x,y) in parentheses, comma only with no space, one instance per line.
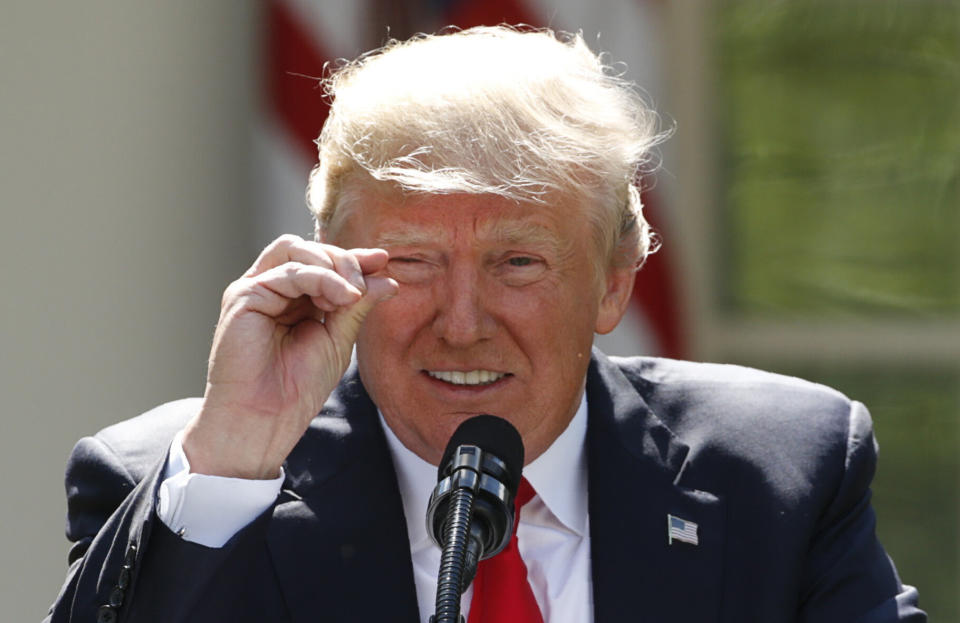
(416,478)
(559,476)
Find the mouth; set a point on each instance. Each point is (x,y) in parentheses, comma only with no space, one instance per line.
(472,378)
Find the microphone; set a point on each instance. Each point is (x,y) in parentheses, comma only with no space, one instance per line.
(470,515)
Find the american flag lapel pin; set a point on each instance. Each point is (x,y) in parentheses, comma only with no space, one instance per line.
(681,530)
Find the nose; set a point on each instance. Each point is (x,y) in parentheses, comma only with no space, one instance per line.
(463,317)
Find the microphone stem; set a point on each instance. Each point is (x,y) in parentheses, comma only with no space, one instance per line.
(450,581)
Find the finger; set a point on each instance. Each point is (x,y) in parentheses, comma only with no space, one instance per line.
(380,289)
(345,322)
(293,280)
(371,260)
(323,304)
(271,292)
(290,248)
(347,265)
(278,253)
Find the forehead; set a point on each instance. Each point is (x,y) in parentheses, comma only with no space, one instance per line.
(424,219)
(495,228)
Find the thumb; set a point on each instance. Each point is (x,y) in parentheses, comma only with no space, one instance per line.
(345,323)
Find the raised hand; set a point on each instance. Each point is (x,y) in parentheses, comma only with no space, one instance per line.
(284,339)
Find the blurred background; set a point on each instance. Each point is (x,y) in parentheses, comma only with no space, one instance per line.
(808,201)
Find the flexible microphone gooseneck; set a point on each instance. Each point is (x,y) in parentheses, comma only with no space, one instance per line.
(470,515)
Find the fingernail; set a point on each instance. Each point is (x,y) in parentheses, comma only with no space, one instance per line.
(396,290)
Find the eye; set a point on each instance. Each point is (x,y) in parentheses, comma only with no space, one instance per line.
(410,269)
(521,270)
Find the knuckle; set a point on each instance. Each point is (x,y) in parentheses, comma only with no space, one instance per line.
(286,241)
(289,239)
(238,294)
(231,292)
(292,270)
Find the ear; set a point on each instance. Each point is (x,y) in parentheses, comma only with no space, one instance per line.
(616,297)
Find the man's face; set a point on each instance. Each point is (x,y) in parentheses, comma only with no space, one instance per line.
(496,312)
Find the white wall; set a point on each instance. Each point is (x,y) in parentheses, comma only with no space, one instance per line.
(124,192)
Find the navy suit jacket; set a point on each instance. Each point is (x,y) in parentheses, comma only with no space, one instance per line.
(775,472)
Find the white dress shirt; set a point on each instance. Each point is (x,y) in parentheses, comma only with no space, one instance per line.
(553,534)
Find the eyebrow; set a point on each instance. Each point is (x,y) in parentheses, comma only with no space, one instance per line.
(502,232)
(526,232)
(407,236)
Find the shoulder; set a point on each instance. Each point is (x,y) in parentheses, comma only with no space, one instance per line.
(692,374)
(751,426)
(134,446)
(688,394)
(105,468)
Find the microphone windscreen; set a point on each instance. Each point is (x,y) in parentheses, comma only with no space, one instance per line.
(494,435)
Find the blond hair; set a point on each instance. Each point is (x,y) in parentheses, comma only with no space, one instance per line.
(527,114)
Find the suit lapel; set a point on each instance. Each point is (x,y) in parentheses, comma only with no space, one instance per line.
(635,482)
(338,537)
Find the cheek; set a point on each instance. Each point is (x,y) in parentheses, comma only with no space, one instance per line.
(382,344)
(391,325)
(373,338)
(556,311)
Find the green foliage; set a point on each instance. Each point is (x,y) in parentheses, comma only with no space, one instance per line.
(841,156)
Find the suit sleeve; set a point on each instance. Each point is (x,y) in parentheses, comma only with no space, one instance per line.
(125,565)
(848,576)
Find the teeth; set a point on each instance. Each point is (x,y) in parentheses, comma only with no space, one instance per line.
(473,377)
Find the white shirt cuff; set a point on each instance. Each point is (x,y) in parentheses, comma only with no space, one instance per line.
(209,510)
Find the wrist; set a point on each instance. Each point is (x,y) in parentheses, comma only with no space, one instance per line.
(228,454)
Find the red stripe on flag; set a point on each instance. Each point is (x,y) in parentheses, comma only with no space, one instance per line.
(467,13)
(656,294)
(294,65)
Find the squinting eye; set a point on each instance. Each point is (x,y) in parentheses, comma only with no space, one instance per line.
(521,270)
(410,270)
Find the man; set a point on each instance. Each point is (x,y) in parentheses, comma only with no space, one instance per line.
(477,223)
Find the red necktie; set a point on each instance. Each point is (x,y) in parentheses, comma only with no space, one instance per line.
(501,592)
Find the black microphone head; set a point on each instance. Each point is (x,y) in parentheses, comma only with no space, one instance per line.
(491,434)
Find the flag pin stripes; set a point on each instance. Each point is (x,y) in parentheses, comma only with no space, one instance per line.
(681,530)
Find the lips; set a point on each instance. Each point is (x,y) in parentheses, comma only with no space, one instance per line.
(470,378)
